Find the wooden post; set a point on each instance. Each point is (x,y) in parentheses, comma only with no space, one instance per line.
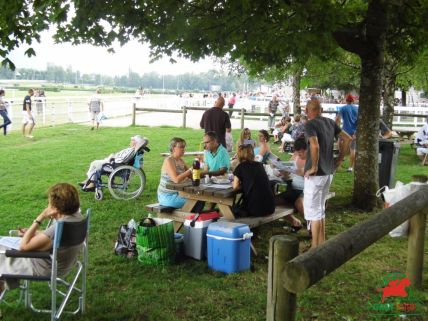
(415,247)
(184,116)
(242,118)
(134,106)
(281,304)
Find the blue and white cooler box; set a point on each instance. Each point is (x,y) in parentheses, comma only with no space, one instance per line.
(195,237)
(229,246)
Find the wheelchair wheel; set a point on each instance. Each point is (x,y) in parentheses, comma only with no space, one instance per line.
(126,182)
(98,194)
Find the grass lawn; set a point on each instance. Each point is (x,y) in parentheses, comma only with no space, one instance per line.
(122,289)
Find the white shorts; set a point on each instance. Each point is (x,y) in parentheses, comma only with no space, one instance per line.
(286,138)
(26,119)
(315,194)
(94,115)
(421,151)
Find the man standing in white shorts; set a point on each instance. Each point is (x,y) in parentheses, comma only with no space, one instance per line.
(320,133)
(96,106)
(28,117)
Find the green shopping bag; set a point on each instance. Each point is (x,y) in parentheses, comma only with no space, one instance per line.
(155,242)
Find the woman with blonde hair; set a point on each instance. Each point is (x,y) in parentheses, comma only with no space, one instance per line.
(245,138)
(250,176)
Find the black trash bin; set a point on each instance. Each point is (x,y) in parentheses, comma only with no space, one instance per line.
(388,159)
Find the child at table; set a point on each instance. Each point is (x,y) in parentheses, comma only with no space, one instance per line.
(250,176)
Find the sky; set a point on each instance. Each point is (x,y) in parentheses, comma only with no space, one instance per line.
(91,59)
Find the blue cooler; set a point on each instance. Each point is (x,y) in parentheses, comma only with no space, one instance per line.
(228,246)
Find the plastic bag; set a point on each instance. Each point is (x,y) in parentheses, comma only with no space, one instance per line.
(155,242)
(392,196)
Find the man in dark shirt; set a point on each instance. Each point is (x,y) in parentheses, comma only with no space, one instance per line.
(216,120)
(28,117)
(320,133)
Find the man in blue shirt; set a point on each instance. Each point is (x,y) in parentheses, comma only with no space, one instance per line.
(349,116)
(216,157)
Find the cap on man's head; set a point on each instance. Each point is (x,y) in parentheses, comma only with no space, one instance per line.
(349,99)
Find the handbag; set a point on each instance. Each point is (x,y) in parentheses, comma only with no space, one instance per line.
(155,241)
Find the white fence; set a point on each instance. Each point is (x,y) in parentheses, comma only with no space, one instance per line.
(51,111)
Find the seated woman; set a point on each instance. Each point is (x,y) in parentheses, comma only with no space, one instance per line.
(174,170)
(294,193)
(281,128)
(63,205)
(250,176)
(262,152)
(122,156)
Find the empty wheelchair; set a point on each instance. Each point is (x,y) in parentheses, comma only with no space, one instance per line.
(125,181)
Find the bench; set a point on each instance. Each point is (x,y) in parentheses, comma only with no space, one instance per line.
(179,217)
(280,212)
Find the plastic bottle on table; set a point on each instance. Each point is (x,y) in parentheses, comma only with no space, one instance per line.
(196,173)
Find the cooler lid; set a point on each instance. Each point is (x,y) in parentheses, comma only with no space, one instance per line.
(204,216)
(228,229)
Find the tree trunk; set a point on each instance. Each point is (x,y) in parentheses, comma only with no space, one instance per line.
(366,166)
(372,53)
(388,92)
(296,91)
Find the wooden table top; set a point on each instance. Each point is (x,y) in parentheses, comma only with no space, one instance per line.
(202,189)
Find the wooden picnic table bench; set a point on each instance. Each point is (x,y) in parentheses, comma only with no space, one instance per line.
(224,198)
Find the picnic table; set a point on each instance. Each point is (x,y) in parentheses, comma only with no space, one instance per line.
(195,154)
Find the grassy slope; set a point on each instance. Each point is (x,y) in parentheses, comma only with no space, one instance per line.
(121,289)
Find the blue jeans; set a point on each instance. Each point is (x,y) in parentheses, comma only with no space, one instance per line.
(6,120)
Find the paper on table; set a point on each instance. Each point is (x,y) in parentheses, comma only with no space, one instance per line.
(219,186)
(284,166)
(10,242)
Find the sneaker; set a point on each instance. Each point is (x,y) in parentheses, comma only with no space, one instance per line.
(30,136)
(350,170)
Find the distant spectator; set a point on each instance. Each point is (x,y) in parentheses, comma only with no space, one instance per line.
(215,119)
(28,117)
(272,108)
(40,100)
(285,109)
(298,128)
(245,138)
(231,103)
(96,105)
(348,114)
(3,113)
(421,141)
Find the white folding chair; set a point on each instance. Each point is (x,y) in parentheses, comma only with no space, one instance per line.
(66,234)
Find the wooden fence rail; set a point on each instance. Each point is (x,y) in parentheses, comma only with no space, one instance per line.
(242,112)
(307,269)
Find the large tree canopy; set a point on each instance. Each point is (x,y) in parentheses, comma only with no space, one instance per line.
(263,33)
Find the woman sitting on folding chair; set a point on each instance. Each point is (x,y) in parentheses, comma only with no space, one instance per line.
(64,205)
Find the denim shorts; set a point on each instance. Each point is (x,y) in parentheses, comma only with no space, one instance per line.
(171,200)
